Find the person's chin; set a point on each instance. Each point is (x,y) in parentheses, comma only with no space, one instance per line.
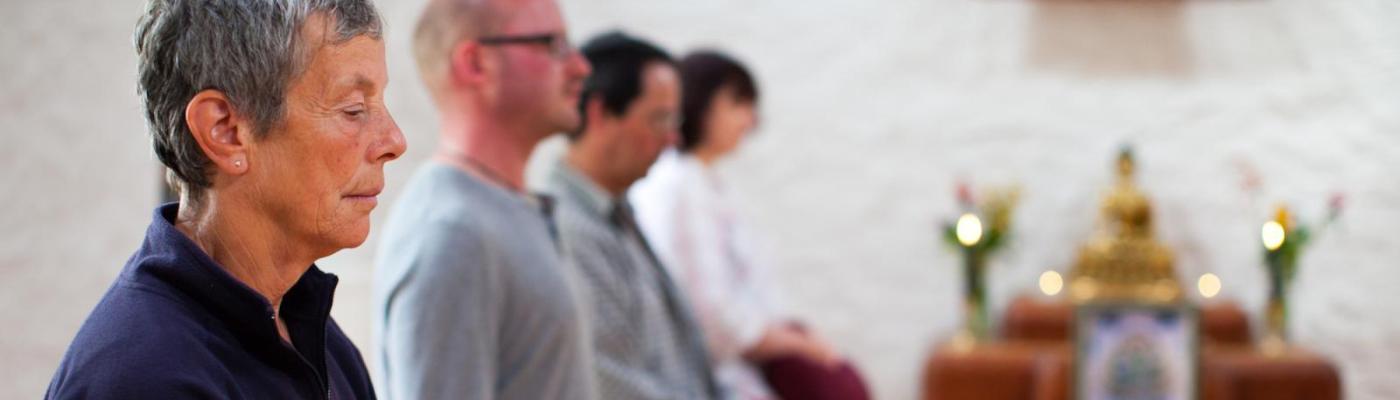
(355,243)
(566,123)
(570,112)
(353,234)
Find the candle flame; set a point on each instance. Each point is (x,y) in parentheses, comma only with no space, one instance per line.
(969,230)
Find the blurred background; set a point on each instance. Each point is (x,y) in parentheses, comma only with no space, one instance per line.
(872,112)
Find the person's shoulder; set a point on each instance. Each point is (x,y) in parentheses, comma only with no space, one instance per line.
(440,198)
(665,179)
(142,342)
(139,372)
(135,309)
(432,206)
(137,383)
(438,255)
(573,218)
(432,235)
(666,169)
(435,192)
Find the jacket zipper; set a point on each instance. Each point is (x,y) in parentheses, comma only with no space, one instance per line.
(306,364)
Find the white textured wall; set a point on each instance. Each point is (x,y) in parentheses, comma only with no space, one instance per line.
(871,112)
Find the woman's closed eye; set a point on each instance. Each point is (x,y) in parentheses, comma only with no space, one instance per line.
(355,112)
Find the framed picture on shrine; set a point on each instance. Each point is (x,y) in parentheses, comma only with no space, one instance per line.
(1136,351)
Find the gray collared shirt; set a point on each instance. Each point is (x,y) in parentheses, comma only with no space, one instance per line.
(647,344)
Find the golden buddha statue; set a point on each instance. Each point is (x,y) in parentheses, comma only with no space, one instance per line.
(1124,262)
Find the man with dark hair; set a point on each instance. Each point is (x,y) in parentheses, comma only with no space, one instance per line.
(647,344)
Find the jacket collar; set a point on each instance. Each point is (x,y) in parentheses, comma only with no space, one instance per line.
(171,257)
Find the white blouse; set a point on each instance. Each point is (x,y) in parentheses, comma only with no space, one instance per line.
(691,223)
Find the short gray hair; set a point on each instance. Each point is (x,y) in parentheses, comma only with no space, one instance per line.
(250,50)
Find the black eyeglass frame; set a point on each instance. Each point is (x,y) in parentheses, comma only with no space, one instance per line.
(556,42)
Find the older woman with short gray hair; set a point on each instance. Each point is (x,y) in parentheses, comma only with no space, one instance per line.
(270,116)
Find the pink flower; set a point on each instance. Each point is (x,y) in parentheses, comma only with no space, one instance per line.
(964,193)
(1251,181)
(1336,204)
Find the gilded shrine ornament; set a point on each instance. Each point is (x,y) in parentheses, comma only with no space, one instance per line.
(1124,261)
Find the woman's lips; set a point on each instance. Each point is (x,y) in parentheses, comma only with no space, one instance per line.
(369,197)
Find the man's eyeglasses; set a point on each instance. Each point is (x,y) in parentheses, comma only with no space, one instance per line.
(558,45)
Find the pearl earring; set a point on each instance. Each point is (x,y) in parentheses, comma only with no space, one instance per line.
(238,163)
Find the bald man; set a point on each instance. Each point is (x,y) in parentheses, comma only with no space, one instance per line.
(473,298)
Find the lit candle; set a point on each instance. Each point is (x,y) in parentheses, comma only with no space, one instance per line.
(1273,235)
(1209,285)
(969,230)
(1051,283)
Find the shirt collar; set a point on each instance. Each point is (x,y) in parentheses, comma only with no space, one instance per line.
(170,256)
(572,185)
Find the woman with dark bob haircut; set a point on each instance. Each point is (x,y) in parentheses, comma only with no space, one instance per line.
(683,207)
(712,80)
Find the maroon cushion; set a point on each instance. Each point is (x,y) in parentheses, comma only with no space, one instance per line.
(796,378)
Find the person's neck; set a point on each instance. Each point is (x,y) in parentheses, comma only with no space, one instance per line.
(591,166)
(707,156)
(249,245)
(487,149)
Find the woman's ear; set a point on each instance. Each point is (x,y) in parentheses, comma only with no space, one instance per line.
(222,133)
